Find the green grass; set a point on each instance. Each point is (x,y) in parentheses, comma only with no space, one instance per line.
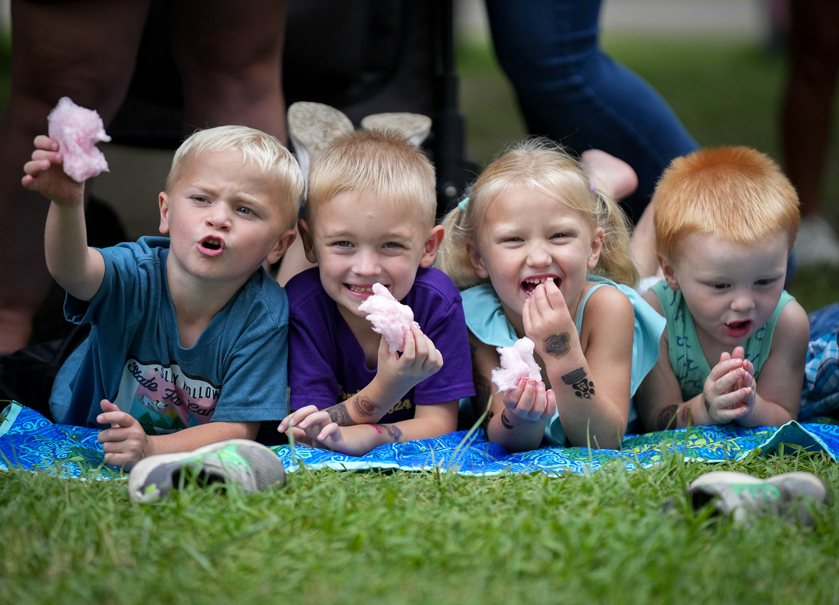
(412,537)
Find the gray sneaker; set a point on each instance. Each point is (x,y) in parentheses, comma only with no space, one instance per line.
(414,126)
(789,495)
(250,465)
(311,128)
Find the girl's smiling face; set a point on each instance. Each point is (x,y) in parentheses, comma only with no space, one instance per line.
(528,237)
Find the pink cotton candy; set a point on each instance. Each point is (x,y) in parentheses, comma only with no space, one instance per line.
(389,317)
(517,362)
(77,130)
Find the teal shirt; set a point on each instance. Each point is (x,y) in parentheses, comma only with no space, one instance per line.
(486,320)
(685,351)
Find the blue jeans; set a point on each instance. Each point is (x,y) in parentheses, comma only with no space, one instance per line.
(571,91)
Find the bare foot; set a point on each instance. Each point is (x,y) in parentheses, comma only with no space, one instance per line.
(614,176)
(643,245)
(15,329)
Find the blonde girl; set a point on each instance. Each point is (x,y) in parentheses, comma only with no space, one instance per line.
(541,252)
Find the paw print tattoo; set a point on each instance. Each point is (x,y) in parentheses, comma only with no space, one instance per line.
(583,387)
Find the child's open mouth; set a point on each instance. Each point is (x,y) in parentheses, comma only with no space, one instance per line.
(211,246)
(738,329)
(529,285)
(362,291)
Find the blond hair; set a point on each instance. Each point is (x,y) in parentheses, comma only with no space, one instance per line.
(537,164)
(379,163)
(264,151)
(735,194)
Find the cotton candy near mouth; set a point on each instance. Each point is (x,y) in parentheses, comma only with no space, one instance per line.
(389,317)
(77,130)
(517,362)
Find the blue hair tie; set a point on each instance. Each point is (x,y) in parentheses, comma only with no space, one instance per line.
(462,204)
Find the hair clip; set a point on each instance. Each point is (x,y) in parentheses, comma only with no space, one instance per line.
(462,204)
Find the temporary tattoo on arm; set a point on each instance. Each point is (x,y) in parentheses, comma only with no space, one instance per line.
(392,430)
(363,406)
(506,421)
(666,418)
(340,415)
(557,344)
(583,388)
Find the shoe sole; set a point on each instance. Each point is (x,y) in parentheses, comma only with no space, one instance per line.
(415,127)
(312,127)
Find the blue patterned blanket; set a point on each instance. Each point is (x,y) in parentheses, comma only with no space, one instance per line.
(30,441)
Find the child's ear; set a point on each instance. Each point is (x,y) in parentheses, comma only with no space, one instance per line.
(163,202)
(432,245)
(669,272)
(596,247)
(308,242)
(476,260)
(286,239)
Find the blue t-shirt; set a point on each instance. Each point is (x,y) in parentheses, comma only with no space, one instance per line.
(327,364)
(235,371)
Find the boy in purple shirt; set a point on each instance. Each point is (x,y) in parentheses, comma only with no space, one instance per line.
(370,219)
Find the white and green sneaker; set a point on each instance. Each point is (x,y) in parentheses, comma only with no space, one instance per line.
(248,464)
(792,496)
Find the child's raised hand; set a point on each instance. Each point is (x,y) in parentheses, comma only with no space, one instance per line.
(418,361)
(729,391)
(548,323)
(125,443)
(529,401)
(747,382)
(45,174)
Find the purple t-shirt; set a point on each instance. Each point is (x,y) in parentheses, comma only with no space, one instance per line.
(327,364)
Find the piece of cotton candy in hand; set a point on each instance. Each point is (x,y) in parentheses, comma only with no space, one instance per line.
(517,362)
(389,317)
(77,130)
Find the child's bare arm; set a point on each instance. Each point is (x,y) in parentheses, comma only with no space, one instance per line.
(592,389)
(779,385)
(125,443)
(76,267)
(316,427)
(397,374)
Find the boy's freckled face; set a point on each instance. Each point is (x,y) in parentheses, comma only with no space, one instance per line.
(359,241)
(222,218)
(731,289)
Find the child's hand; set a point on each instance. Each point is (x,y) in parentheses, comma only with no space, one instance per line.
(44,174)
(313,427)
(529,401)
(729,391)
(418,361)
(548,323)
(125,443)
(747,382)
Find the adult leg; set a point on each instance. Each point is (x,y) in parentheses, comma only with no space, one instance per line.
(571,91)
(808,101)
(806,120)
(230,58)
(85,50)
